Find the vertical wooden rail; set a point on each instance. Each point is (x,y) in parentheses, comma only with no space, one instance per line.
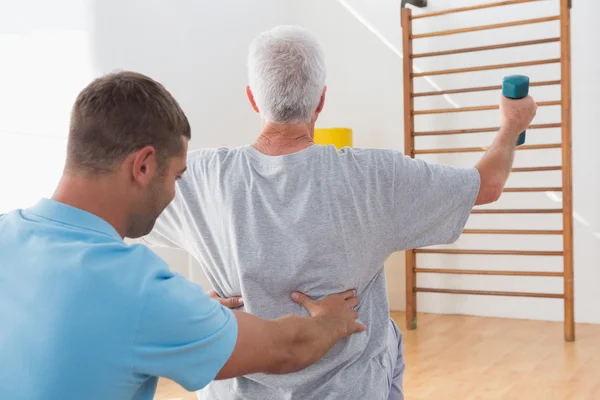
(409,146)
(565,72)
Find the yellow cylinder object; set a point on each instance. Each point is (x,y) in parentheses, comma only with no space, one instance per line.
(339,137)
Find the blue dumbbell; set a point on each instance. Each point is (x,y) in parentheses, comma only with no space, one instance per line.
(516,87)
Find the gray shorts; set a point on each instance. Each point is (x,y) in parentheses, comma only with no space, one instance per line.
(395,362)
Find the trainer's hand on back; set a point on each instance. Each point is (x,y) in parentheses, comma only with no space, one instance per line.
(516,114)
(231,302)
(338,308)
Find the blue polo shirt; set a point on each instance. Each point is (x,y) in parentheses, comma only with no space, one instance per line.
(85,316)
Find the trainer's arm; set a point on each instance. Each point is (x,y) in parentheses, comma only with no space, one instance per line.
(291,343)
(185,336)
(495,165)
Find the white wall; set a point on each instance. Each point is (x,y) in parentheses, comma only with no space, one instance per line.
(45,62)
(198,50)
(362,40)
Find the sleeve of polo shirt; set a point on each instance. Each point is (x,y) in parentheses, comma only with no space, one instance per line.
(183,334)
(432,202)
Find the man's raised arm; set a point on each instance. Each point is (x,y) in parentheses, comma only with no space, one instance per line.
(495,165)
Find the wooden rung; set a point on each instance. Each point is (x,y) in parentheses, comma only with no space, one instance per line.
(484,48)
(486,27)
(490,252)
(478,149)
(479,89)
(511,232)
(478,108)
(471,8)
(455,110)
(457,131)
(487,67)
(491,293)
(484,272)
(518,211)
(537,169)
(532,189)
(480,130)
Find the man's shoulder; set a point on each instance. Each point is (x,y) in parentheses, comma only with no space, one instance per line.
(367,152)
(206,155)
(210,160)
(369,158)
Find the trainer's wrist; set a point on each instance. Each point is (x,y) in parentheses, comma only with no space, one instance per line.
(331,325)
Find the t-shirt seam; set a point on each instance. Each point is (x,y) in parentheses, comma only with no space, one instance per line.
(467,210)
(475,186)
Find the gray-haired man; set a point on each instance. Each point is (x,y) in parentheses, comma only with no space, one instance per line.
(285,214)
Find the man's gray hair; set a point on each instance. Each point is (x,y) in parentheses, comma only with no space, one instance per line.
(286,69)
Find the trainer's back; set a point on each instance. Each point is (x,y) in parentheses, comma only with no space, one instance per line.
(68,310)
(85,316)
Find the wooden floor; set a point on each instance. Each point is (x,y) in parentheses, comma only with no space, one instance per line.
(473,358)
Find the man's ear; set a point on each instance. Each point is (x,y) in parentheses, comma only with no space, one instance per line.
(322,102)
(251,98)
(144,165)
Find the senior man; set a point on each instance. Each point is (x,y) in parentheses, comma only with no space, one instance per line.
(285,213)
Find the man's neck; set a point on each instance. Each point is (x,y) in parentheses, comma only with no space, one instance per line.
(94,194)
(282,139)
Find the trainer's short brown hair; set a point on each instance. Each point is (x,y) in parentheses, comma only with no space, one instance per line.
(118,114)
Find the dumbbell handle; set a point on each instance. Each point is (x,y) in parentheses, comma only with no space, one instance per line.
(516,87)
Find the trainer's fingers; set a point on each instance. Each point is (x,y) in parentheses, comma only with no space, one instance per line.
(232,302)
(358,327)
(348,294)
(352,302)
(303,300)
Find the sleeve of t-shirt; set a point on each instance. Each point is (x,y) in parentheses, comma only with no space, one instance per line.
(183,334)
(177,226)
(432,202)
(167,230)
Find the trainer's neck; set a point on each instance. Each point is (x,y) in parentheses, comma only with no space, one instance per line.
(96,195)
(281,139)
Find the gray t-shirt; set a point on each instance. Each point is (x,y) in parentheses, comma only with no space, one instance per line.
(319,221)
